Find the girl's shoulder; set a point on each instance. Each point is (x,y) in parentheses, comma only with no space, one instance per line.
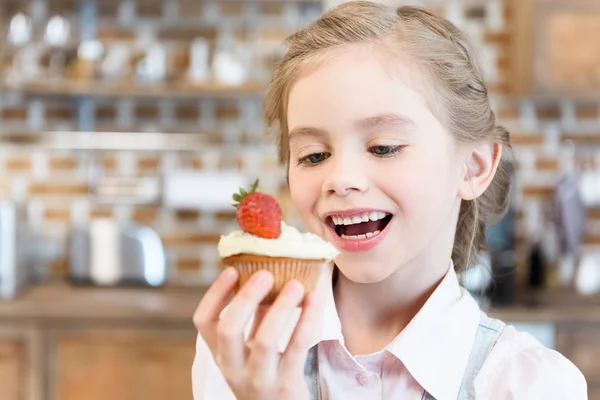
(520,367)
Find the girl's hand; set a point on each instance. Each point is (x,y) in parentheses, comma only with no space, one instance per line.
(257,371)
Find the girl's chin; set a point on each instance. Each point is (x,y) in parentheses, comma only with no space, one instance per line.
(358,274)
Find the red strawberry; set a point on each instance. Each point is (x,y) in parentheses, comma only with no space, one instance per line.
(257,213)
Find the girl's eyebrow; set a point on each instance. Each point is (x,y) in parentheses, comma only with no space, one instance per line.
(377,122)
(304,131)
(384,121)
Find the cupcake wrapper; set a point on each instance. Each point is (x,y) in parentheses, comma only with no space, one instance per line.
(306,272)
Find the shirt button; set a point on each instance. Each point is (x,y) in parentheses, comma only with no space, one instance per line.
(363,379)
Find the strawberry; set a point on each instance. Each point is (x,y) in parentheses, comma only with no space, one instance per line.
(258,213)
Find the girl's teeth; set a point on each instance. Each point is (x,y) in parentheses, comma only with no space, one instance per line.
(357,219)
(359,237)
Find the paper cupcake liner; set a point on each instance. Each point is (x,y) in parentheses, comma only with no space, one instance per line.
(306,272)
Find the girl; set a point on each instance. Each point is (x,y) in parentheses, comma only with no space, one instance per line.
(380,110)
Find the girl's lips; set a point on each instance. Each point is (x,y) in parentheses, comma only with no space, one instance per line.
(356,245)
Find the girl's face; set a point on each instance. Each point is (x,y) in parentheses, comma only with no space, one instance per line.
(371,168)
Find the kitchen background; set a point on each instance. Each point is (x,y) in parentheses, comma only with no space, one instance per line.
(126,125)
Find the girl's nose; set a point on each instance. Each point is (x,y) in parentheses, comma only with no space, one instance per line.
(345,177)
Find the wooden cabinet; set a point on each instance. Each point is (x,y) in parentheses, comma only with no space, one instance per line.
(17,373)
(121,364)
(12,369)
(65,343)
(580,343)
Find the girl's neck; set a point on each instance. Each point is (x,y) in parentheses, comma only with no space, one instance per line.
(372,315)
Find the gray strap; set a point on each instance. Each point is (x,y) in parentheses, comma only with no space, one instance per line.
(488,332)
(311,373)
(487,335)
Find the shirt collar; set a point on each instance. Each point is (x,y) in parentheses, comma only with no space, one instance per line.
(435,346)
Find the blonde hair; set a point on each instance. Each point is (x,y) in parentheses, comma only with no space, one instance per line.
(441,52)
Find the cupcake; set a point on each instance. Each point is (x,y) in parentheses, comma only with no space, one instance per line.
(267,243)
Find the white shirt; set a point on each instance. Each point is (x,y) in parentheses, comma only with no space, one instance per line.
(429,354)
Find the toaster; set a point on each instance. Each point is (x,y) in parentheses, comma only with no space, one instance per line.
(107,253)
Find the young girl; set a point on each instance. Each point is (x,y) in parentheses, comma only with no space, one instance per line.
(380,110)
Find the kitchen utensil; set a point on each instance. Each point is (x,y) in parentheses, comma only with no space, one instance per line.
(57,34)
(571,212)
(589,187)
(115,64)
(230,62)
(13,273)
(199,69)
(587,279)
(19,30)
(58,31)
(153,67)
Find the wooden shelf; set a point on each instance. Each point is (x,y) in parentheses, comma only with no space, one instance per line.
(552,50)
(554,98)
(67,87)
(237,1)
(121,141)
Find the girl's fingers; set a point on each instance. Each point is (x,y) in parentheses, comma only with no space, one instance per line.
(294,358)
(264,355)
(260,314)
(206,316)
(230,330)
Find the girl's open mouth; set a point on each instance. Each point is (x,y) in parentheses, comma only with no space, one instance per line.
(362,226)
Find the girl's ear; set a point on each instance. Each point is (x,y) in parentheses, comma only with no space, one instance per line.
(480,167)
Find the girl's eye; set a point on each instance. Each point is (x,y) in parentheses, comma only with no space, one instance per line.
(314,159)
(383,151)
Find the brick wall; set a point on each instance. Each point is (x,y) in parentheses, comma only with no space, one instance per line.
(53,185)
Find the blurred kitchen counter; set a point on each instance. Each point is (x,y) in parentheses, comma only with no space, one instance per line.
(551,306)
(62,302)
(59,342)
(176,305)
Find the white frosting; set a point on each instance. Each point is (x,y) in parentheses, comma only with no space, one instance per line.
(291,243)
